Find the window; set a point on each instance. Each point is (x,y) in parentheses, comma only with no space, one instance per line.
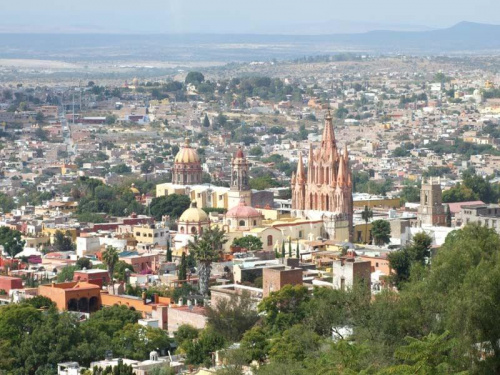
(182,229)
(193,230)
(300,234)
(269,240)
(255,222)
(242,223)
(137,234)
(156,235)
(376,265)
(229,222)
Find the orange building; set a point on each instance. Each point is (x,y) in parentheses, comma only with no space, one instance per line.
(92,276)
(380,263)
(73,296)
(143,262)
(156,309)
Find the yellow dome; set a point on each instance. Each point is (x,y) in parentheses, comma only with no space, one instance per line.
(193,214)
(134,190)
(187,154)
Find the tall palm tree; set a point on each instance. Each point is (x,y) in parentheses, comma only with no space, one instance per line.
(206,250)
(366,215)
(110,258)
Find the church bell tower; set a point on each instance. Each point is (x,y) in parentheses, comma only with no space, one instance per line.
(240,188)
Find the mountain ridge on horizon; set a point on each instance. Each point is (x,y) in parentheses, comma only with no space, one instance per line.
(464,36)
(376,28)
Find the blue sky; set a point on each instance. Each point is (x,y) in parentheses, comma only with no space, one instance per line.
(240,16)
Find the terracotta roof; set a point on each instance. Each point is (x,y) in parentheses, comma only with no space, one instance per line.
(456,207)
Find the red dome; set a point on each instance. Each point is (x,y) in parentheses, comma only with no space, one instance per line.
(243,211)
(239,154)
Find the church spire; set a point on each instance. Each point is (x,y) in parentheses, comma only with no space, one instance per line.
(328,140)
(300,170)
(341,173)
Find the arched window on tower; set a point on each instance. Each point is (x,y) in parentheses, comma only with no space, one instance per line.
(269,240)
(242,223)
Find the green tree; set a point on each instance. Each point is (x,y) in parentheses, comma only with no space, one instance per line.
(284,308)
(147,166)
(172,205)
(7,204)
(111,319)
(119,369)
(194,78)
(248,242)
(381,231)
(53,340)
(410,193)
(110,258)
(206,121)
(121,169)
(169,252)
(290,247)
(121,270)
(366,215)
(184,334)
(17,320)
(296,342)
(182,272)
(200,351)
(448,216)
(136,341)
(83,262)
(459,193)
(255,343)
(428,356)
(402,261)
(297,250)
(63,241)
(283,248)
(39,302)
(232,318)
(66,273)
(481,186)
(256,151)
(11,241)
(110,119)
(206,250)
(400,152)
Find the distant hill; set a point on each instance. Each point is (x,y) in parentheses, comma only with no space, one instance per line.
(462,37)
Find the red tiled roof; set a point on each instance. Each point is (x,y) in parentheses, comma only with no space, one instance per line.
(455,207)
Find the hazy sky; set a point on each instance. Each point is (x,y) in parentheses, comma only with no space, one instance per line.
(237,16)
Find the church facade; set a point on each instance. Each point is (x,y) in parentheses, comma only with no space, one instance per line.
(324,190)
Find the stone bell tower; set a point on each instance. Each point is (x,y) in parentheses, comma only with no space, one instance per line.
(431,210)
(240,188)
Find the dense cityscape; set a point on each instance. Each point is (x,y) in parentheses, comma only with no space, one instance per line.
(324,214)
